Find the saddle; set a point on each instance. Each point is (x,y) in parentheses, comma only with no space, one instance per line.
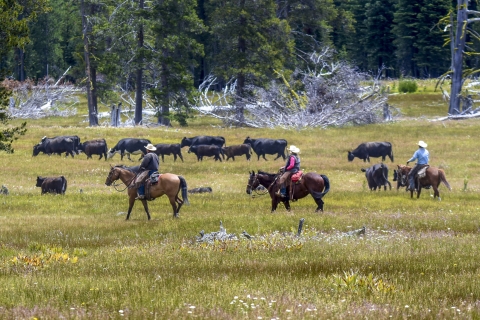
(297,177)
(148,181)
(422,172)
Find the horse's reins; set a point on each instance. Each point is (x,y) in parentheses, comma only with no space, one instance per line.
(256,191)
(126,184)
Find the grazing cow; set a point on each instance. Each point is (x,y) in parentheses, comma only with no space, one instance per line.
(55,145)
(200,190)
(97,146)
(169,149)
(207,140)
(263,146)
(372,149)
(76,141)
(52,184)
(206,151)
(129,146)
(377,176)
(237,150)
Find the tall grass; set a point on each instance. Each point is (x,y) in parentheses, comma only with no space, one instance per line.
(75,256)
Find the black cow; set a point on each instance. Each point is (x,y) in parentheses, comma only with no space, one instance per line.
(55,145)
(372,149)
(263,146)
(206,151)
(169,149)
(52,184)
(237,150)
(207,140)
(76,141)
(97,146)
(377,176)
(129,146)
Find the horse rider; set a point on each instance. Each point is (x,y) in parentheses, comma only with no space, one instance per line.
(422,156)
(150,165)
(291,166)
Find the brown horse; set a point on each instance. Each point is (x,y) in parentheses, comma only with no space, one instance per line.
(433,177)
(311,183)
(168,183)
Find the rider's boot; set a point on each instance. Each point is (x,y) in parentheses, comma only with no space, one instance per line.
(140,193)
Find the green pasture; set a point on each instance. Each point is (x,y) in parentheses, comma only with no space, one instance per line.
(76,257)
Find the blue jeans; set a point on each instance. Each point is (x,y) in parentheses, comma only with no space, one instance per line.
(141,189)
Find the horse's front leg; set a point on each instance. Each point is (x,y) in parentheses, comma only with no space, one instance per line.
(145,205)
(286,203)
(274,203)
(419,190)
(131,202)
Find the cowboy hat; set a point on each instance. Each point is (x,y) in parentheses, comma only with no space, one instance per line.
(294,149)
(150,147)
(422,144)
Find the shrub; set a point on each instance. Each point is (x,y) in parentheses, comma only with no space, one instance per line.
(407,86)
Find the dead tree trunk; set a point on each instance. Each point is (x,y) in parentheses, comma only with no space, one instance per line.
(457,57)
(92,112)
(139,88)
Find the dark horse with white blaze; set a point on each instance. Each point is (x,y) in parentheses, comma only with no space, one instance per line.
(433,177)
(311,183)
(168,183)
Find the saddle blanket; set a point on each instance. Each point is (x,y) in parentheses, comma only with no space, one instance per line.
(297,176)
(421,173)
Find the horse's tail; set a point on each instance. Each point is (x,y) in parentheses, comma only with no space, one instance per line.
(326,183)
(441,174)
(183,186)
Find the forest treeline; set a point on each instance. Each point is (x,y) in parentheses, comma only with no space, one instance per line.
(169,47)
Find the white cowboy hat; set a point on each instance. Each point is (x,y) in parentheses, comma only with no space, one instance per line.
(294,149)
(422,144)
(150,147)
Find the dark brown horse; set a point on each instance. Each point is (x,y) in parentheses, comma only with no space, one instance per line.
(433,177)
(168,183)
(311,183)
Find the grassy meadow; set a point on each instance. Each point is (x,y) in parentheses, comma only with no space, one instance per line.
(76,257)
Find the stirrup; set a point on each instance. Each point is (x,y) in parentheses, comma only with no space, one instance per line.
(140,197)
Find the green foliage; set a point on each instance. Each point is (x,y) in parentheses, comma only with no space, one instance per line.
(407,86)
(252,41)
(8,134)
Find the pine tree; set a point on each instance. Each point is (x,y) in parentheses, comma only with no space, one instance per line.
(405,30)
(250,44)
(13,33)
(432,57)
(379,37)
(174,25)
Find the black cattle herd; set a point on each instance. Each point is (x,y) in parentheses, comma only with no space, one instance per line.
(201,146)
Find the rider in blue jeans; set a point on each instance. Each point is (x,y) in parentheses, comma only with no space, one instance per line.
(422,156)
(150,163)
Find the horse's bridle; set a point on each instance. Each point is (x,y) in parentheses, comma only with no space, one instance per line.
(255,190)
(116,185)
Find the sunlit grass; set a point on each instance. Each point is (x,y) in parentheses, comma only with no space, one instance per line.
(75,256)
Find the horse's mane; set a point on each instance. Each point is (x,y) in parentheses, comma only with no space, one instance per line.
(266,173)
(132,169)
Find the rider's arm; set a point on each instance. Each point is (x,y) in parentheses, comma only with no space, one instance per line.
(146,161)
(415,156)
(291,164)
